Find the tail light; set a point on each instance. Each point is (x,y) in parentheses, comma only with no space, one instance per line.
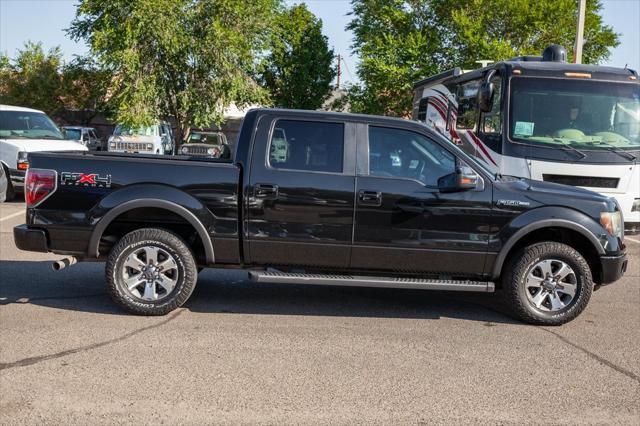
(39,185)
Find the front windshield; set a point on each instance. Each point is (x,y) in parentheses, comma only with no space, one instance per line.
(27,125)
(141,131)
(208,138)
(73,134)
(587,115)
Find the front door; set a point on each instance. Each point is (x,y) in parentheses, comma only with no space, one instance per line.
(403,222)
(300,202)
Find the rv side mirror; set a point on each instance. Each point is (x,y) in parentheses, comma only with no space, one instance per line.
(485,96)
(463,179)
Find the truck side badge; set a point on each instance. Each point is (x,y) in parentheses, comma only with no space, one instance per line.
(92,180)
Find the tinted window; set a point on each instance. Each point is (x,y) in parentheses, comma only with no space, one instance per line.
(307,145)
(404,154)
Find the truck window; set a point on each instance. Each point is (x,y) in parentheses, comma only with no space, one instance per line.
(468,106)
(307,145)
(404,154)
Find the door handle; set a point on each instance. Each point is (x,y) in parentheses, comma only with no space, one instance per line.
(370,198)
(263,190)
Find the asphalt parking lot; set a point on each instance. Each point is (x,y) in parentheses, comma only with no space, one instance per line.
(249,353)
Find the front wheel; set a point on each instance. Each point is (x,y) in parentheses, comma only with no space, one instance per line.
(547,283)
(150,271)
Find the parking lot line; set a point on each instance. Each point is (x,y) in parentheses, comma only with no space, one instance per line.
(11,216)
(632,239)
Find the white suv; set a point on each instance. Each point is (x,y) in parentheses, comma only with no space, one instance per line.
(25,130)
(155,139)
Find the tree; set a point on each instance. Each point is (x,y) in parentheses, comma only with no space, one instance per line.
(85,87)
(402,41)
(32,79)
(183,58)
(298,70)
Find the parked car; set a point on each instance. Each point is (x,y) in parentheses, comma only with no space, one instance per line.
(346,199)
(22,131)
(87,136)
(201,143)
(155,139)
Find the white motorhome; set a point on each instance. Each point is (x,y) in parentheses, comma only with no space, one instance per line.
(25,130)
(544,119)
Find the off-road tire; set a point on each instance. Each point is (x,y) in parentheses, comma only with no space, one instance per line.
(174,245)
(519,265)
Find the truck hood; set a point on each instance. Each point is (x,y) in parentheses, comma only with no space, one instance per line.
(35,145)
(538,193)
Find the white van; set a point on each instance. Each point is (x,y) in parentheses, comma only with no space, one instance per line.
(155,139)
(25,130)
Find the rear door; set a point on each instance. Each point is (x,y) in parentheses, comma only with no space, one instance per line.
(402,221)
(301,199)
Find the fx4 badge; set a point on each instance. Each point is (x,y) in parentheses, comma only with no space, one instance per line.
(513,203)
(92,180)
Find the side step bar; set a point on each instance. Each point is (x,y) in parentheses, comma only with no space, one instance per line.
(362,281)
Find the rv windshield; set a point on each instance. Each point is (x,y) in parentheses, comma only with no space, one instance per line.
(583,114)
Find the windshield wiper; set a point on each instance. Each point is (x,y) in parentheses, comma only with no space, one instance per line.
(572,148)
(49,137)
(620,152)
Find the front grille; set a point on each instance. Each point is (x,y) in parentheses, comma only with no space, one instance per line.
(132,146)
(588,181)
(196,150)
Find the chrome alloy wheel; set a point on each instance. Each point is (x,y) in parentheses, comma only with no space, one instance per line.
(150,273)
(551,285)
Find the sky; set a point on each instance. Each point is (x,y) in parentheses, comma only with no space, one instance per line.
(45,20)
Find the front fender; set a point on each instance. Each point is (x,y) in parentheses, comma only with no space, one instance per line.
(550,217)
(151,195)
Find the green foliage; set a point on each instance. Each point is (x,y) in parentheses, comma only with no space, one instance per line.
(184,58)
(402,41)
(32,79)
(299,67)
(86,87)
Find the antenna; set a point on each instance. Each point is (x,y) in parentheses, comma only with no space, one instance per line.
(339,71)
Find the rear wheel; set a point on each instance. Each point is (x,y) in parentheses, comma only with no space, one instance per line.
(150,271)
(547,283)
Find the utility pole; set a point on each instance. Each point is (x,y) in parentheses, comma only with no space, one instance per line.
(577,56)
(339,72)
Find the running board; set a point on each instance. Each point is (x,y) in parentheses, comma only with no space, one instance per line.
(362,281)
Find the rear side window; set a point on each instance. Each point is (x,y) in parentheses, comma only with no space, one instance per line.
(307,145)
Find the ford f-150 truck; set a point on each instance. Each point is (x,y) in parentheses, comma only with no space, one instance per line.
(325,199)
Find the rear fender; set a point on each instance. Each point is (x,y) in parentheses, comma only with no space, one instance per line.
(156,196)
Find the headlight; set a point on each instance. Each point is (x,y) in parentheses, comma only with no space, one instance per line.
(211,151)
(23,161)
(149,146)
(184,150)
(612,222)
(112,145)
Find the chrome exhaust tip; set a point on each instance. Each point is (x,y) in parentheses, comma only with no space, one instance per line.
(64,262)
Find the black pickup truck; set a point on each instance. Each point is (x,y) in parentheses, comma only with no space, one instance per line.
(324,198)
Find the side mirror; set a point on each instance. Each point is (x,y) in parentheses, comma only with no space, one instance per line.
(463,179)
(485,96)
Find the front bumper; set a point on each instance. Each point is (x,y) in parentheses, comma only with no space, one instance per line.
(613,267)
(30,239)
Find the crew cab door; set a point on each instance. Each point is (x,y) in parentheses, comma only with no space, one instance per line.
(403,222)
(300,197)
